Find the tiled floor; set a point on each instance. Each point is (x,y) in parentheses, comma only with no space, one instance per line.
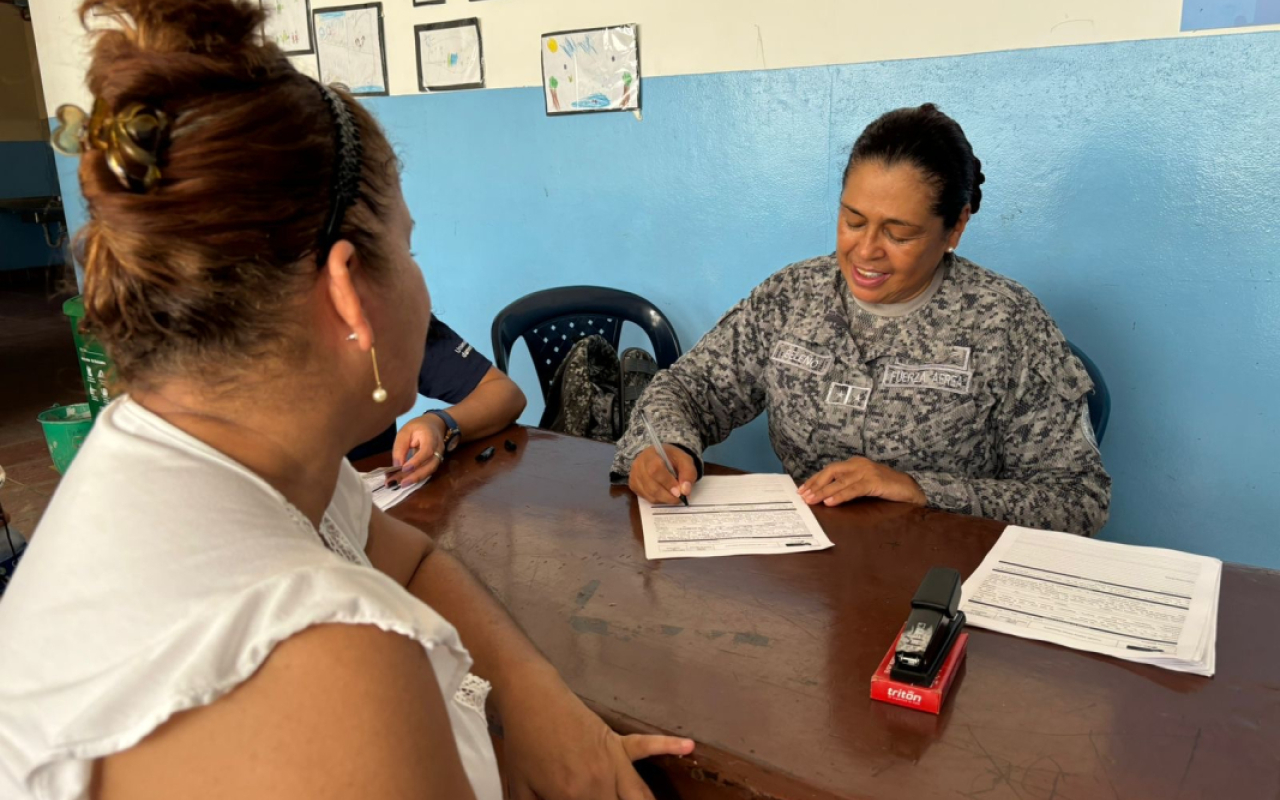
(37,369)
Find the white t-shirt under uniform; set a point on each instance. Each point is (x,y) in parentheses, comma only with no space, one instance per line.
(162,575)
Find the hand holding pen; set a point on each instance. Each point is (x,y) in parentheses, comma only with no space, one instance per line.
(662,473)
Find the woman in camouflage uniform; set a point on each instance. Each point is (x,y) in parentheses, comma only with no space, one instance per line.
(892,368)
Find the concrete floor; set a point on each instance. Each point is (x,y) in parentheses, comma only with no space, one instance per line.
(38,368)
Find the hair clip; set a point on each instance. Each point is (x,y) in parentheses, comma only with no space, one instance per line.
(131,139)
(69,134)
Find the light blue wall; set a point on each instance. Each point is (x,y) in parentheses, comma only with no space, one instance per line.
(1134,187)
(72,203)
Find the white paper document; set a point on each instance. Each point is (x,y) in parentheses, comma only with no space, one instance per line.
(731,515)
(1143,604)
(384,496)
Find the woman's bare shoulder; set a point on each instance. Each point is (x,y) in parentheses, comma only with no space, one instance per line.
(336,711)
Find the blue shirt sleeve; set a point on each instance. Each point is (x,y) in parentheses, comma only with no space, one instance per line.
(451,368)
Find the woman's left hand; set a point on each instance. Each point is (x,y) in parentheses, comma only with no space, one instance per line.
(557,749)
(860,477)
(425,436)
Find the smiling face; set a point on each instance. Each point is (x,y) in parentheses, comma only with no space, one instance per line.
(889,240)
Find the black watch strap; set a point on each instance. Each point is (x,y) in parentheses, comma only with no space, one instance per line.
(452,434)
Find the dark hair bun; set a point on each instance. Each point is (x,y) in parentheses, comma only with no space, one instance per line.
(975,194)
(176,48)
(201,268)
(935,144)
(185,26)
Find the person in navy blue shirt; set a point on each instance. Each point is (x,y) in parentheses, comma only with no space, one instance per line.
(482,401)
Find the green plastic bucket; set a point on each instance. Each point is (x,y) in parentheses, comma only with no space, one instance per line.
(65,428)
(95,367)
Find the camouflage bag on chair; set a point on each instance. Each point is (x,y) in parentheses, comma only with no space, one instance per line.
(593,392)
(584,391)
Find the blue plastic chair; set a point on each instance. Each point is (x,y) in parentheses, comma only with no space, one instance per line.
(550,321)
(1099,398)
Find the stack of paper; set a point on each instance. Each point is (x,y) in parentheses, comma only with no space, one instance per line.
(731,515)
(1141,604)
(384,496)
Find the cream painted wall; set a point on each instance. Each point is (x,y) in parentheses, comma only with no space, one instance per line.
(61,48)
(698,36)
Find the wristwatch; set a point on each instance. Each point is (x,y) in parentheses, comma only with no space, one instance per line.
(452,435)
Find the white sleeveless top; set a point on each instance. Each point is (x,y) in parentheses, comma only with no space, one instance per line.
(162,575)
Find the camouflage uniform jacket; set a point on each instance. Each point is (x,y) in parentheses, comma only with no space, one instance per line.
(975,395)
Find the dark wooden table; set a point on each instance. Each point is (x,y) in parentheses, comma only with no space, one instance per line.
(766,660)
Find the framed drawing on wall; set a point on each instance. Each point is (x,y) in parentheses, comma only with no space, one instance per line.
(1203,15)
(586,71)
(288,25)
(307,65)
(450,55)
(351,48)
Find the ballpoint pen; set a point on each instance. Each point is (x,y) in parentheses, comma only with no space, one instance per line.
(662,451)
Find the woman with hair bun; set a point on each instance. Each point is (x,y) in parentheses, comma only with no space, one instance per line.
(212,608)
(893,368)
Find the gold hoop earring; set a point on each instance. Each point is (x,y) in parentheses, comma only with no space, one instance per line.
(379,394)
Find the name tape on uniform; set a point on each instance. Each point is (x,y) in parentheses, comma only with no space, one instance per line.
(793,355)
(946,379)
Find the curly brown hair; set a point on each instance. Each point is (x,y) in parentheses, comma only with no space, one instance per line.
(203,273)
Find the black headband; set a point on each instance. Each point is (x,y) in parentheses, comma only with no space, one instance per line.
(346,173)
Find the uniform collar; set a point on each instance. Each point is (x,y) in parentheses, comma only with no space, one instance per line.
(913,337)
(911,306)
